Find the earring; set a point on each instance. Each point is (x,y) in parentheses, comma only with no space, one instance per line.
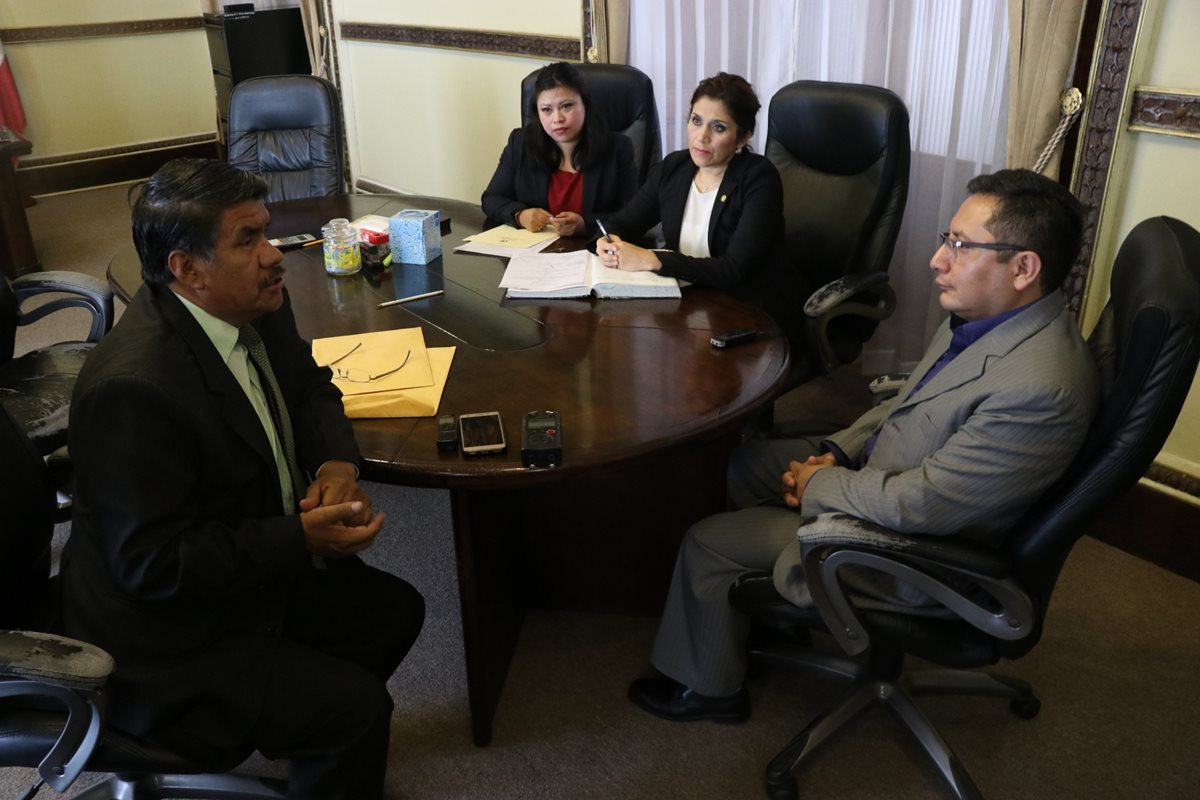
(739,150)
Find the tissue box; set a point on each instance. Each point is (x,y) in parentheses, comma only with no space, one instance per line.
(415,236)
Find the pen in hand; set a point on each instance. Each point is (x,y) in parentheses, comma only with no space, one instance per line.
(600,225)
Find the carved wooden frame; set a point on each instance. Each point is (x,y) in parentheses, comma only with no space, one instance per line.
(1109,94)
(1174,112)
(51,33)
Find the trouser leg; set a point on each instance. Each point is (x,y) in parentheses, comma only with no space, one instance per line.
(328,709)
(755,473)
(701,640)
(359,613)
(331,719)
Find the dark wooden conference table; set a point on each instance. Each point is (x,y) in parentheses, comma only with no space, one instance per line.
(650,411)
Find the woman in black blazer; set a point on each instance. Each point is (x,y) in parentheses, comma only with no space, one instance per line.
(563,169)
(721,207)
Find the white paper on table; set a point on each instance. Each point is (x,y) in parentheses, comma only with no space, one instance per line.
(546,271)
(483,248)
(508,236)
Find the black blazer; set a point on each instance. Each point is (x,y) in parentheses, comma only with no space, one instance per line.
(745,232)
(180,560)
(520,182)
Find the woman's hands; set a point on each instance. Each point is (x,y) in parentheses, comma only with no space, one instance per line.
(568,223)
(616,253)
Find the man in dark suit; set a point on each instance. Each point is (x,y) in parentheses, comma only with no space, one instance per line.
(991,416)
(218,510)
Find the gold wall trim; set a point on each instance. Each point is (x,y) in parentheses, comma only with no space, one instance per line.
(52,33)
(1174,112)
(1174,479)
(1109,95)
(122,150)
(553,48)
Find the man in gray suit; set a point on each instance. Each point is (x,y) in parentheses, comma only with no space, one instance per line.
(991,416)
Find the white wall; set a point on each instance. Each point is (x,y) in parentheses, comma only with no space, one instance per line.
(102,92)
(433,121)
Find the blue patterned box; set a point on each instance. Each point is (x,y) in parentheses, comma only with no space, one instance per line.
(415,236)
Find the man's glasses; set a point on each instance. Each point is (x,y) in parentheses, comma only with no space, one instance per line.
(956,245)
(359,375)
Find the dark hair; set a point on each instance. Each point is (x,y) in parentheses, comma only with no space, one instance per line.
(538,143)
(738,96)
(179,208)
(1037,213)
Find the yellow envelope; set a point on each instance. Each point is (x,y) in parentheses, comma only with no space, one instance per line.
(416,402)
(365,363)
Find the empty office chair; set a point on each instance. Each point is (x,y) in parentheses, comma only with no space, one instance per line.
(51,688)
(288,128)
(843,152)
(623,97)
(36,388)
(1147,344)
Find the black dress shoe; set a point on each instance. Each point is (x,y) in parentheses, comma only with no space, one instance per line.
(669,699)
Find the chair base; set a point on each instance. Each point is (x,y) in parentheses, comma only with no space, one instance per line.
(898,696)
(193,787)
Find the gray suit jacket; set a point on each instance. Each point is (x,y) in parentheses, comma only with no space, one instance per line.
(981,440)
(968,452)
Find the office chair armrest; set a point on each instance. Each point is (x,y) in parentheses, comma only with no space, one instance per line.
(54,659)
(91,293)
(836,292)
(43,667)
(965,579)
(888,385)
(849,307)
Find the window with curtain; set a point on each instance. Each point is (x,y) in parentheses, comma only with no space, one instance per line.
(947,59)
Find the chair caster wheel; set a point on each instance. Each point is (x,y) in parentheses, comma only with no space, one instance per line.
(1026,708)
(781,788)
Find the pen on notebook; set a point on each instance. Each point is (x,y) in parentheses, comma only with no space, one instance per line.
(313,243)
(600,225)
(400,300)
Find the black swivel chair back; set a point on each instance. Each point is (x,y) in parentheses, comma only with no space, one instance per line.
(623,98)
(288,128)
(36,387)
(843,152)
(1147,345)
(51,699)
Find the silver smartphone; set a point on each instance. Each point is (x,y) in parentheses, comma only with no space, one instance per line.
(481,433)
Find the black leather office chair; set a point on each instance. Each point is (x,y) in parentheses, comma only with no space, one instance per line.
(1147,344)
(36,388)
(52,700)
(843,152)
(623,97)
(288,128)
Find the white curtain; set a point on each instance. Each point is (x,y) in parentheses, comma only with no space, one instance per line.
(946,58)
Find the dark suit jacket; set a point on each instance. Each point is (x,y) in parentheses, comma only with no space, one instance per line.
(180,560)
(745,232)
(520,182)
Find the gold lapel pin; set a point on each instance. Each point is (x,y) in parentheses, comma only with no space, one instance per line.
(723,197)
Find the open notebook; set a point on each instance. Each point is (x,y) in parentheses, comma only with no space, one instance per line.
(579,274)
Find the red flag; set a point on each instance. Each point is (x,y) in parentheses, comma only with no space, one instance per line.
(11,113)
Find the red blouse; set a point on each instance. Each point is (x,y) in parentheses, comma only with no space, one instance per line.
(565,192)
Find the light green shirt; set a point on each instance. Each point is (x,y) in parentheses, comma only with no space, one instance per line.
(225,339)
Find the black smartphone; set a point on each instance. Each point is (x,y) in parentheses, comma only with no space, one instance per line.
(292,242)
(481,433)
(447,433)
(733,337)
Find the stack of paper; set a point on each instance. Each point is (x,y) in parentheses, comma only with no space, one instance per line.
(579,274)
